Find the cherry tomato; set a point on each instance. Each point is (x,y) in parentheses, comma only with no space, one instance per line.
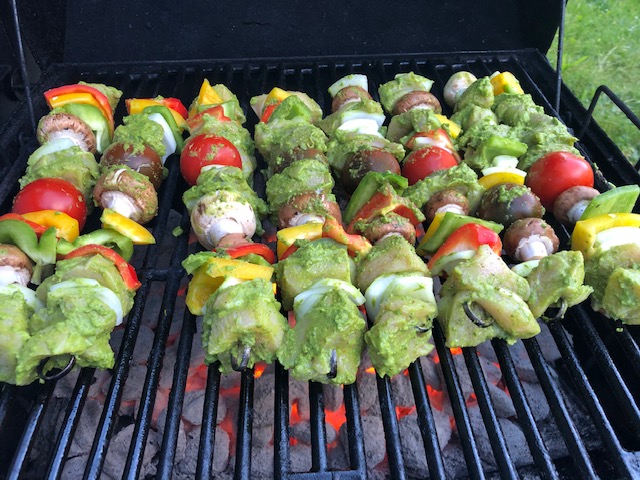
(556,172)
(51,194)
(422,163)
(203,150)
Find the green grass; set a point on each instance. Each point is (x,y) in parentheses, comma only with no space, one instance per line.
(602,47)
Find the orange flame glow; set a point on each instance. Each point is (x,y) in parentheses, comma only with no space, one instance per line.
(336,418)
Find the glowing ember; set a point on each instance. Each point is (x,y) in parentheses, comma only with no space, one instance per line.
(436,397)
(404,411)
(258,370)
(197,379)
(471,400)
(455,351)
(371,370)
(294,416)
(336,418)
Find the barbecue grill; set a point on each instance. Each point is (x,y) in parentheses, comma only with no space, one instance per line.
(586,367)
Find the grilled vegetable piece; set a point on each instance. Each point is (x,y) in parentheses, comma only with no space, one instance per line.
(327,341)
(15,312)
(402,307)
(482,299)
(313,261)
(240,316)
(557,280)
(613,274)
(391,255)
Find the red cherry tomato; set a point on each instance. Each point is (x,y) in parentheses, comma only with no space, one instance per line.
(51,194)
(422,163)
(556,172)
(203,150)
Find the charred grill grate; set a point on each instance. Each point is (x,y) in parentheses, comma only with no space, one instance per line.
(599,360)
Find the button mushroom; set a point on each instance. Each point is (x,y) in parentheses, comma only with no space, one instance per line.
(217,215)
(349,94)
(530,239)
(449,200)
(65,125)
(389,224)
(143,159)
(370,160)
(287,158)
(307,207)
(507,202)
(15,266)
(417,99)
(127,192)
(570,204)
(456,85)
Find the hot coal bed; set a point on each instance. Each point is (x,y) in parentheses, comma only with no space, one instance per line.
(561,405)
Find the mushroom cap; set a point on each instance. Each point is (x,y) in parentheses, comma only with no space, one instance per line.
(62,124)
(142,160)
(417,98)
(131,184)
(524,232)
(507,202)
(570,204)
(441,199)
(308,203)
(351,93)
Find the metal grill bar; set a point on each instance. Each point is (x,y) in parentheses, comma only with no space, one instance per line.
(539,451)
(390,423)
(463,424)
(572,439)
(589,397)
(426,422)
(208,433)
(505,465)
(72,417)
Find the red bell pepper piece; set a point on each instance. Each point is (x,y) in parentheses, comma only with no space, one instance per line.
(101,98)
(468,237)
(268,110)
(195,123)
(248,248)
(175,104)
(126,270)
(289,251)
(355,243)
(36,227)
(386,201)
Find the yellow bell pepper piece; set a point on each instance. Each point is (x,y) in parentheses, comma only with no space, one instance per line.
(276,95)
(452,127)
(287,236)
(208,277)
(201,287)
(137,105)
(433,227)
(488,181)
(66,226)
(127,227)
(585,231)
(230,267)
(505,82)
(207,95)
(80,97)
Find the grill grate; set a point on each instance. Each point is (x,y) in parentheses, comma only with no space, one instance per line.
(601,361)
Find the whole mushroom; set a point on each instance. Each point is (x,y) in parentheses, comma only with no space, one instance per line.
(351,93)
(371,160)
(143,159)
(507,202)
(220,214)
(15,266)
(128,192)
(64,125)
(448,200)
(306,208)
(417,99)
(570,204)
(530,239)
(389,224)
(456,85)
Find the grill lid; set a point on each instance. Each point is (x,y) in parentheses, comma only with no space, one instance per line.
(105,31)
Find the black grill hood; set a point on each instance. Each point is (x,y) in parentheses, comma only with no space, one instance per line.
(115,31)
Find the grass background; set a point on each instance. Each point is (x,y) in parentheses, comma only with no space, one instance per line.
(602,47)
